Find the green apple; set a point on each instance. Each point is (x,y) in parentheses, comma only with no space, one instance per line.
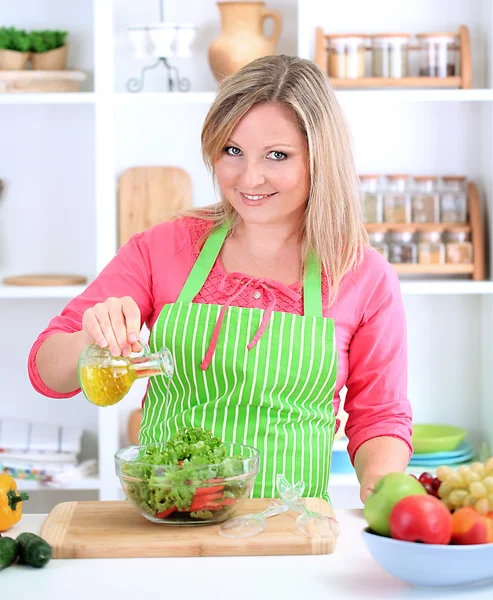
(388,490)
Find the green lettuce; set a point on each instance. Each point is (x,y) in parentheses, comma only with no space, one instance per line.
(190,459)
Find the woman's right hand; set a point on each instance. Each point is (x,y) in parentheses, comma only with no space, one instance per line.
(114,324)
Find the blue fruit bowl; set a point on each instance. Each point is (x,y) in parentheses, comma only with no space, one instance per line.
(432,565)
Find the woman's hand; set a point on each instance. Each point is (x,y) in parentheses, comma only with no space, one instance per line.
(377,457)
(367,484)
(114,324)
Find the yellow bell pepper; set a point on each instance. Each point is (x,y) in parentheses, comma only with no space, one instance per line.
(10,502)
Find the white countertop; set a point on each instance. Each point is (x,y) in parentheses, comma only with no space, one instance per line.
(349,573)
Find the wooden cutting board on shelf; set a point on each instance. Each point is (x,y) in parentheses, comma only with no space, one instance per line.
(150,195)
(115,529)
(44,280)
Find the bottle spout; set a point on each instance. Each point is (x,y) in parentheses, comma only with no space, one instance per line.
(157,363)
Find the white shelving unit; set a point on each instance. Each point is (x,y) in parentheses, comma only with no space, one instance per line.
(59,212)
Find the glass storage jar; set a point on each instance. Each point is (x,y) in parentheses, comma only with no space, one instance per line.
(431,249)
(390,55)
(458,248)
(347,56)
(425,200)
(439,54)
(402,248)
(377,241)
(397,200)
(372,198)
(453,200)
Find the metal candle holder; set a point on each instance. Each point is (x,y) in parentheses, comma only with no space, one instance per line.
(175,81)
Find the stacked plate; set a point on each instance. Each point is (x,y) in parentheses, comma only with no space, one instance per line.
(436,445)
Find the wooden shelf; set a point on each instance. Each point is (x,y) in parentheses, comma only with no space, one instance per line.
(464,80)
(31,81)
(401,227)
(474,227)
(403,82)
(406,269)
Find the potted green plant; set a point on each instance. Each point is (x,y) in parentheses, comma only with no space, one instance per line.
(14,48)
(48,49)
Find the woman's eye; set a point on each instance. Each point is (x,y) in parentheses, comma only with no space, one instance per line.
(232,150)
(276,155)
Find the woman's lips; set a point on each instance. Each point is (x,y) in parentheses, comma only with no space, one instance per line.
(256,199)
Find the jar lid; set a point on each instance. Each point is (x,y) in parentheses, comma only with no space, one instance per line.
(369,176)
(425,178)
(458,236)
(454,178)
(377,236)
(402,236)
(430,236)
(394,176)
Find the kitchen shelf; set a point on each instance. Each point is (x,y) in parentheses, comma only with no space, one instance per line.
(443,288)
(407,269)
(165,98)
(363,95)
(464,80)
(20,292)
(410,95)
(400,227)
(49,98)
(88,483)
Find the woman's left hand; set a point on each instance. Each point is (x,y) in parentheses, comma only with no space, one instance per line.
(367,484)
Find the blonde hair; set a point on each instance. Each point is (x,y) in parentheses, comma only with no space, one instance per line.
(333,229)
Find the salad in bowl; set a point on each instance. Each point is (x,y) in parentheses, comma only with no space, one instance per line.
(192,479)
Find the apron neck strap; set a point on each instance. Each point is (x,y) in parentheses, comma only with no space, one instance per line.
(312,285)
(204,263)
(312,288)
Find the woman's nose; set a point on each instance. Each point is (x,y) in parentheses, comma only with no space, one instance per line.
(252,176)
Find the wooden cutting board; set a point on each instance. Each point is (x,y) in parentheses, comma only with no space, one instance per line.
(44,280)
(117,530)
(150,195)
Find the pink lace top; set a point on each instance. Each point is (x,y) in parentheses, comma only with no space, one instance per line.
(368,313)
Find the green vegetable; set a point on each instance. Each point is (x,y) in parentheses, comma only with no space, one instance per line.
(33,550)
(14,39)
(194,464)
(47,39)
(8,552)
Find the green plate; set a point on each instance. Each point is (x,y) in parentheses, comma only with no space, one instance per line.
(437,438)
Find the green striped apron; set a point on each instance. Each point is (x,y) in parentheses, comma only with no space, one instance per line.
(274,393)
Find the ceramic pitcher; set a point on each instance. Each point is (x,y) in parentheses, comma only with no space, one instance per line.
(242,38)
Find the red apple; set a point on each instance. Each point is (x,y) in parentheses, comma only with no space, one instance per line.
(421,519)
(471,527)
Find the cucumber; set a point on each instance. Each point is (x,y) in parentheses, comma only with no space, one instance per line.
(33,550)
(8,552)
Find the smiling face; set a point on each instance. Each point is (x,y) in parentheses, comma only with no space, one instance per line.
(263,171)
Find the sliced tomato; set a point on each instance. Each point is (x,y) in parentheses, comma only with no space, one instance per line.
(165,513)
(198,503)
(229,501)
(206,491)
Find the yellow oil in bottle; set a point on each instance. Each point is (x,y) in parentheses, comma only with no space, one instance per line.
(105,379)
(106,385)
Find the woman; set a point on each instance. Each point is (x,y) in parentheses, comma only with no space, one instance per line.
(270,301)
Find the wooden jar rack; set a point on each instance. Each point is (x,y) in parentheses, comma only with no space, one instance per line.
(474,227)
(464,80)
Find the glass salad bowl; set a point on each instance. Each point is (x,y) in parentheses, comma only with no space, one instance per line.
(189,492)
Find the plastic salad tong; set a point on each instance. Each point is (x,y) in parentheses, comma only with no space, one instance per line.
(248,525)
(309,522)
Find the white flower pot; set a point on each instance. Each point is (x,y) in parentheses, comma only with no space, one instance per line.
(162,36)
(185,35)
(139,38)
